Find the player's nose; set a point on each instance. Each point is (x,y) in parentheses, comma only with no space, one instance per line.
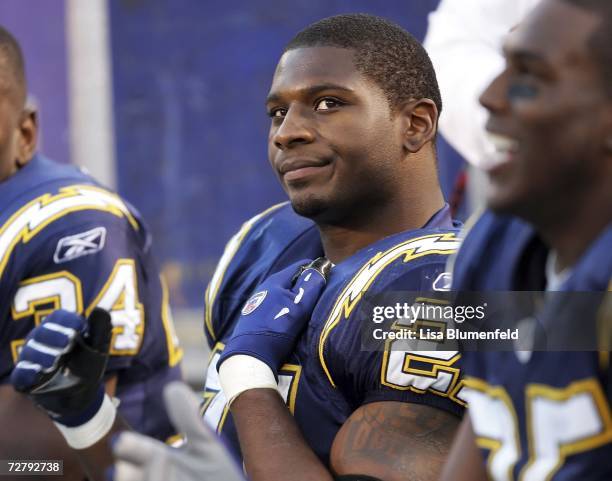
(294,130)
(494,97)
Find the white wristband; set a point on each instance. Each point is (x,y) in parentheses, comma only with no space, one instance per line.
(240,373)
(86,435)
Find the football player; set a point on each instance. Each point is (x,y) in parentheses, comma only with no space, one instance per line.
(538,415)
(354,106)
(68,243)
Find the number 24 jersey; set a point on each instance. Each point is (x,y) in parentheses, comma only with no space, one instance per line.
(66,242)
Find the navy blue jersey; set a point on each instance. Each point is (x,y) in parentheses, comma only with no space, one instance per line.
(329,375)
(66,242)
(537,415)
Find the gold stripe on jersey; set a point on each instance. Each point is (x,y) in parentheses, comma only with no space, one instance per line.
(175,352)
(30,219)
(16,346)
(443,244)
(231,248)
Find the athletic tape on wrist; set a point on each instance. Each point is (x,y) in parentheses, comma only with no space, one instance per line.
(240,373)
(86,435)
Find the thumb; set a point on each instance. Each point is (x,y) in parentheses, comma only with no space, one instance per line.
(321,265)
(99,330)
(137,448)
(311,281)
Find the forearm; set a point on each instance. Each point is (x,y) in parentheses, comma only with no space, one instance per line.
(97,458)
(272,446)
(27,434)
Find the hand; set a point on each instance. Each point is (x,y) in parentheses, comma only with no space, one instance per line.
(277,313)
(61,367)
(201,458)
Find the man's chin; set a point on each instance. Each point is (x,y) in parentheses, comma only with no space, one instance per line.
(309,206)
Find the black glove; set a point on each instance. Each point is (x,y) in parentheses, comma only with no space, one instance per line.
(62,364)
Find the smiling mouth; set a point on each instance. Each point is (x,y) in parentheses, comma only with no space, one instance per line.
(298,171)
(501,151)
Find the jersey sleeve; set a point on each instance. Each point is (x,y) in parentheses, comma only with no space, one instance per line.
(388,370)
(86,259)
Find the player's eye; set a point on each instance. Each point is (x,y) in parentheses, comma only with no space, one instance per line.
(277,113)
(522,90)
(328,103)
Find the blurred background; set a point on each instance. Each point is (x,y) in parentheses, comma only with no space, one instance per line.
(164,101)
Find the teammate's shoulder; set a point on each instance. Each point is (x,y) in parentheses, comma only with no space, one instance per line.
(489,236)
(45,202)
(42,173)
(487,228)
(44,191)
(58,205)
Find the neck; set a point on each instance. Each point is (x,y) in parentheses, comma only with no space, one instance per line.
(571,234)
(412,205)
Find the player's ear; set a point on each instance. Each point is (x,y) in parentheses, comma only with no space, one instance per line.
(28,136)
(419,121)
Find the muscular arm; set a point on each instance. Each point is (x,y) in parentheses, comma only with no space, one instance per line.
(272,446)
(464,462)
(388,440)
(394,441)
(28,433)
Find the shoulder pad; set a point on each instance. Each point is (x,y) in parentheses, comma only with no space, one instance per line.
(399,262)
(264,244)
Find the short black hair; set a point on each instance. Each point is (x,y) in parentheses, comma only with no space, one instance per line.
(11,62)
(384,53)
(600,43)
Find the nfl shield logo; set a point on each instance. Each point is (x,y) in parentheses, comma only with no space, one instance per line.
(254,302)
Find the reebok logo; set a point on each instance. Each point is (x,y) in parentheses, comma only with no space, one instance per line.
(79,245)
